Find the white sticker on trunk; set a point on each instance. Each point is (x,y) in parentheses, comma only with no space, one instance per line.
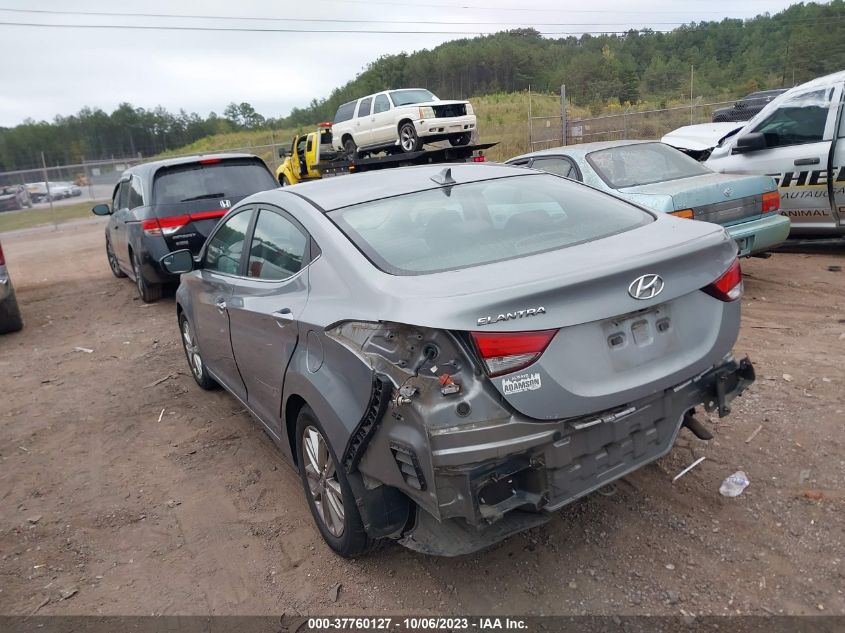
(523,382)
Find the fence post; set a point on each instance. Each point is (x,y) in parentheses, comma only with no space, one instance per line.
(87,178)
(46,181)
(529,120)
(563,122)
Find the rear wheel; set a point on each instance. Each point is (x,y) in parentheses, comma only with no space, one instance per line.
(113,263)
(461,139)
(408,138)
(192,353)
(327,489)
(150,293)
(10,314)
(350,148)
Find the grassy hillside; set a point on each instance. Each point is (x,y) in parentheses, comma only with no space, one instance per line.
(502,118)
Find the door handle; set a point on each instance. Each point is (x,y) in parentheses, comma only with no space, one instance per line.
(807,161)
(220,304)
(283,316)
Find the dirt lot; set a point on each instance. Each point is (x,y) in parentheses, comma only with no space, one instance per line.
(192,511)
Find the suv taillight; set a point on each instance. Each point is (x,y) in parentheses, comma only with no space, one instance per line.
(505,352)
(165,226)
(728,287)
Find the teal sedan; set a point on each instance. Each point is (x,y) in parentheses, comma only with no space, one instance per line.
(659,177)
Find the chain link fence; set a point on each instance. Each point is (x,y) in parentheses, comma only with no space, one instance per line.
(634,124)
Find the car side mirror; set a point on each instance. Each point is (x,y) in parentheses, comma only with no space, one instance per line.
(101,209)
(178,262)
(751,142)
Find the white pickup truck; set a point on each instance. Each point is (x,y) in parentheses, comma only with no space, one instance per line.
(799,138)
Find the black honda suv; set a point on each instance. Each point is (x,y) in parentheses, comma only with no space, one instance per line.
(173,204)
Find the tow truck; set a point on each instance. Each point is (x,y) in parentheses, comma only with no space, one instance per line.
(311,157)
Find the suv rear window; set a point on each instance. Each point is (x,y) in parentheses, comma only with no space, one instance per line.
(228,178)
(482,222)
(345,112)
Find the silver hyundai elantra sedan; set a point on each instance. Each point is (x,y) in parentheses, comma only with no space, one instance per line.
(447,354)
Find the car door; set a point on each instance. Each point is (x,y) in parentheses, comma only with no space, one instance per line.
(381,121)
(837,168)
(211,290)
(362,131)
(118,231)
(799,136)
(265,308)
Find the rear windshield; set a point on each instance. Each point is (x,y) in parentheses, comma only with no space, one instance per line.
(407,97)
(482,222)
(344,112)
(229,178)
(643,164)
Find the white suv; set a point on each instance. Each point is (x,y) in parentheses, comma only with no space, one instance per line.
(402,120)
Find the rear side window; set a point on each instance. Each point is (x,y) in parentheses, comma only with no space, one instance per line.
(381,104)
(228,178)
(364,108)
(344,112)
(278,247)
(555,165)
(482,222)
(223,253)
(135,197)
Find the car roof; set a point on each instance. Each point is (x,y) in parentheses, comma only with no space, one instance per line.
(329,194)
(146,169)
(581,149)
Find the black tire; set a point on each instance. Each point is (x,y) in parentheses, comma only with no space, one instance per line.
(150,293)
(114,265)
(350,148)
(461,139)
(408,139)
(192,354)
(10,314)
(352,540)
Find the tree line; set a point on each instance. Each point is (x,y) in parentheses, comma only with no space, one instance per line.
(715,60)
(720,59)
(94,134)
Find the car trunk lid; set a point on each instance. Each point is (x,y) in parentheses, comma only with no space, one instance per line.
(607,348)
(717,198)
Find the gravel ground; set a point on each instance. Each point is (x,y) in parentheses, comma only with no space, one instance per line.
(118,496)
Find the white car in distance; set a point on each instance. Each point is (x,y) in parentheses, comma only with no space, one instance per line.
(400,120)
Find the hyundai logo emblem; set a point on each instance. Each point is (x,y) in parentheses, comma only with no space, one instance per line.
(646,287)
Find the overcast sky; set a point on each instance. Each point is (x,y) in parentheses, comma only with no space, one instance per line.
(49,71)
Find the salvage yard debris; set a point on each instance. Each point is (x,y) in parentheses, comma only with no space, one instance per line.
(83,349)
(734,484)
(159,381)
(688,468)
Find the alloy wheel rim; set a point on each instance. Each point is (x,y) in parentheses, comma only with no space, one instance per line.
(407,139)
(138,281)
(112,258)
(323,484)
(194,359)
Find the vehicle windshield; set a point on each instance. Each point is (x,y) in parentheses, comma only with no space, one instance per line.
(7,190)
(230,178)
(643,164)
(408,97)
(482,222)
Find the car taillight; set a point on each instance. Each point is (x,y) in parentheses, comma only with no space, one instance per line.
(481,158)
(771,201)
(505,352)
(172,224)
(2,258)
(728,287)
(684,213)
(165,226)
